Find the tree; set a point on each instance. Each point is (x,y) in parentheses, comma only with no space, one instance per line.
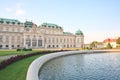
(109,46)
(118,41)
(93,44)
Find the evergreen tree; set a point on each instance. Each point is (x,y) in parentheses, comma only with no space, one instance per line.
(109,46)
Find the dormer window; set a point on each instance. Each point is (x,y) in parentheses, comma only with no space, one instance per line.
(7,22)
(13,22)
(27,29)
(52,26)
(1,21)
(18,23)
(44,25)
(60,27)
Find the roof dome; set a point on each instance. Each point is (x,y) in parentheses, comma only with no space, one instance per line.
(79,32)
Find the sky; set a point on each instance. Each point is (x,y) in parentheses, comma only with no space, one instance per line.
(97,19)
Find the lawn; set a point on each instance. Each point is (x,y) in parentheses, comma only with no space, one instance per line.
(17,70)
(14,52)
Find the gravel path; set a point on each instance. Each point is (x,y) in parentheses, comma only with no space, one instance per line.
(6,57)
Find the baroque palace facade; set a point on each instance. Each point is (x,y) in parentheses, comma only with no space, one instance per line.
(15,34)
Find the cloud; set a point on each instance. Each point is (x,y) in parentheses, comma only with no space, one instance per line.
(19,12)
(8,9)
(16,10)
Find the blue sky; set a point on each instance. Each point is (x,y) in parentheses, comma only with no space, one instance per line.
(98,19)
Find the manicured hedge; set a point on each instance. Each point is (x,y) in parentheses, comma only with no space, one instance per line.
(24,49)
(7,62)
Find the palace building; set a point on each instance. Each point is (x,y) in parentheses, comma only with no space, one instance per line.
(15,34)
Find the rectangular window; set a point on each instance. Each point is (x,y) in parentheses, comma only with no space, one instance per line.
(57,40)
(13,29)
(7,38)
(18,39)
(53,40)
(7,29)
(34,42)
(49,40)
(1,38)
(39,43)
(18,30)
(45,40)
(12,39)
(60,40)
(64,41)
(1,29)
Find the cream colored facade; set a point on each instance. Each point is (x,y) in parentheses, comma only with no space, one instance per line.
(14,34)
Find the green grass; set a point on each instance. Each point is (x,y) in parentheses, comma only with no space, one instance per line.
(17,70)
(14,52)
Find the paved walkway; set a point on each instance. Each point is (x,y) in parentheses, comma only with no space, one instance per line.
(6,57)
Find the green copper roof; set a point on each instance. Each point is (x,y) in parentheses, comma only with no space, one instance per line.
(9,20)
(68,33)
(79,32)
(28,24)
(50,25)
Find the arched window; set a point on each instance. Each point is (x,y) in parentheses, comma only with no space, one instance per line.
(18,46)
(40,42)
(34,42)
(53,46)
(0,46)
(28,42)
(57,46)
(7,46)
(49,46)
(67,46)
(12,46)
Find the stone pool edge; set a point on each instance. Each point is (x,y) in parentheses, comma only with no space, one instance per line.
(33,70)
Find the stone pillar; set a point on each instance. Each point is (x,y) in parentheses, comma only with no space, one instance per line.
(31,42)
(37,42)
(3,43)
(9,42)
(24,40)
(44,41)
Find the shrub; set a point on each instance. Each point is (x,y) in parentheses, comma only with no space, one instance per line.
(29,49)
(24,49)
(18,49)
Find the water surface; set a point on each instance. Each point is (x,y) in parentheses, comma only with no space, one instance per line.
(99,66)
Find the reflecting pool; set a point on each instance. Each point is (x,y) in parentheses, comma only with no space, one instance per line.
(99,66)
